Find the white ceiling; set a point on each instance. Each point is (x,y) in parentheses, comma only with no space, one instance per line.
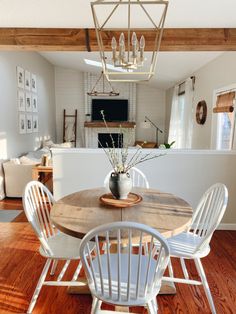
(77,13)
(171,68)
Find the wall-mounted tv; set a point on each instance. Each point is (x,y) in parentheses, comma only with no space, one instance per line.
(114,109)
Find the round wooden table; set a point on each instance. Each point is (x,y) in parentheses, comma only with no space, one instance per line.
(78,213)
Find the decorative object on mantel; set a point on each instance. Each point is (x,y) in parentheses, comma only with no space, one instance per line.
(87,117)
(147,124)
(225,102)
(201,112)
(120,182)
(119,18)
(103,92)
(131,200)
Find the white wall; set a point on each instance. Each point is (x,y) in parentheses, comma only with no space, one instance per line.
(69,94)
(215,75)
(150,103)
(184,173)
(12,144)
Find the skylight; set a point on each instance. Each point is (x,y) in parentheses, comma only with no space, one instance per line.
(99,64)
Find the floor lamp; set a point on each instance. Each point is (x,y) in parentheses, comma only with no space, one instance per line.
(147,124)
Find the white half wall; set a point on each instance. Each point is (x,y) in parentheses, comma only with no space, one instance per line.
(187,174)
(12,144)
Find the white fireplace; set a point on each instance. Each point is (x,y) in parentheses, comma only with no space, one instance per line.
(92,129)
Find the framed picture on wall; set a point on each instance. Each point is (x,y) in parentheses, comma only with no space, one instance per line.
(21,100)
(20,77)
(29,123)
(34,103)
(28,104)
(33,83)
(35,123)
(27,80)
(22,123)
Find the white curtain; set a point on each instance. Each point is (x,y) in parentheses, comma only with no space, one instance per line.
(181,123)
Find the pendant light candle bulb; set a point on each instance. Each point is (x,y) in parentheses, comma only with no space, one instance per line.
(134,44)
(113,43)
(142,42)
(113,46)
(142,46)
(122,46)
(122,39)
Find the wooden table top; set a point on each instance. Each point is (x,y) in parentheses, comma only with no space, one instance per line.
(78,213)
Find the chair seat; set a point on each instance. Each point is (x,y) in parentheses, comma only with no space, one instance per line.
(63,246)
(185,245)
(124,278)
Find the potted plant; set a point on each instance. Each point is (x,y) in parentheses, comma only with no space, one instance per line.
(120,182)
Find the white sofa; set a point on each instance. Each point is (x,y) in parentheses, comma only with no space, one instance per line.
(18,172)
(16,178)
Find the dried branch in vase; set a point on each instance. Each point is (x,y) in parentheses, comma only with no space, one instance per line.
(119,157)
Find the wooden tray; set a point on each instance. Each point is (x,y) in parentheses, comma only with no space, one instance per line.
(108,199)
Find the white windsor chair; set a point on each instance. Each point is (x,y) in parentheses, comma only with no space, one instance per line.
(138,178)
(124,278)
(37,202)
(194,244)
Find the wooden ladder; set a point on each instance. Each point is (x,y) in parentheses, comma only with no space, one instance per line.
(65,117)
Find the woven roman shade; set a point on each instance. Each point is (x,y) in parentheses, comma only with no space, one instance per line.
(225,103)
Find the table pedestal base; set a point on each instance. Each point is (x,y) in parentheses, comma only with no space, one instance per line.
(166,288)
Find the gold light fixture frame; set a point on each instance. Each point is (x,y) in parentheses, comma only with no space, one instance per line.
(95,93)
(101,30)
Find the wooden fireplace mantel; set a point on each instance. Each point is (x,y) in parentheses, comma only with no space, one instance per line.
(98,124)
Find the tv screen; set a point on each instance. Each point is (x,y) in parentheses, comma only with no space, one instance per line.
(114,109)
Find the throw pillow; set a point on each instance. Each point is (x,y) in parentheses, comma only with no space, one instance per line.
(27,161)
(15,161)
(62,145)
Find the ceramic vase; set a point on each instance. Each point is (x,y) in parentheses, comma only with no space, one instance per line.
(120,185)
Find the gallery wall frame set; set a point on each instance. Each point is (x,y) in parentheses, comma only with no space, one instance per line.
(27,101)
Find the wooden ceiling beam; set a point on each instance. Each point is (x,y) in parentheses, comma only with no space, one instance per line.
(79,39)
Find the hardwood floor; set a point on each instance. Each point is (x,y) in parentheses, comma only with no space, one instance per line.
(14,203)
(21,265)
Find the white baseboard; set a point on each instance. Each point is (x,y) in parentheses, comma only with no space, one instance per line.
(227,227)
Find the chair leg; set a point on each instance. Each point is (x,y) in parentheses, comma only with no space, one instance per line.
(59,278)
(184,269)
(205,284)
(77,271)
(54,266)
(39,286)
(155,305)
(170,268)
(150,308)
(96,305)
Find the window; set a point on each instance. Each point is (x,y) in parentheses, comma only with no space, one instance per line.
(225,120)
(225,130)
(180,130)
